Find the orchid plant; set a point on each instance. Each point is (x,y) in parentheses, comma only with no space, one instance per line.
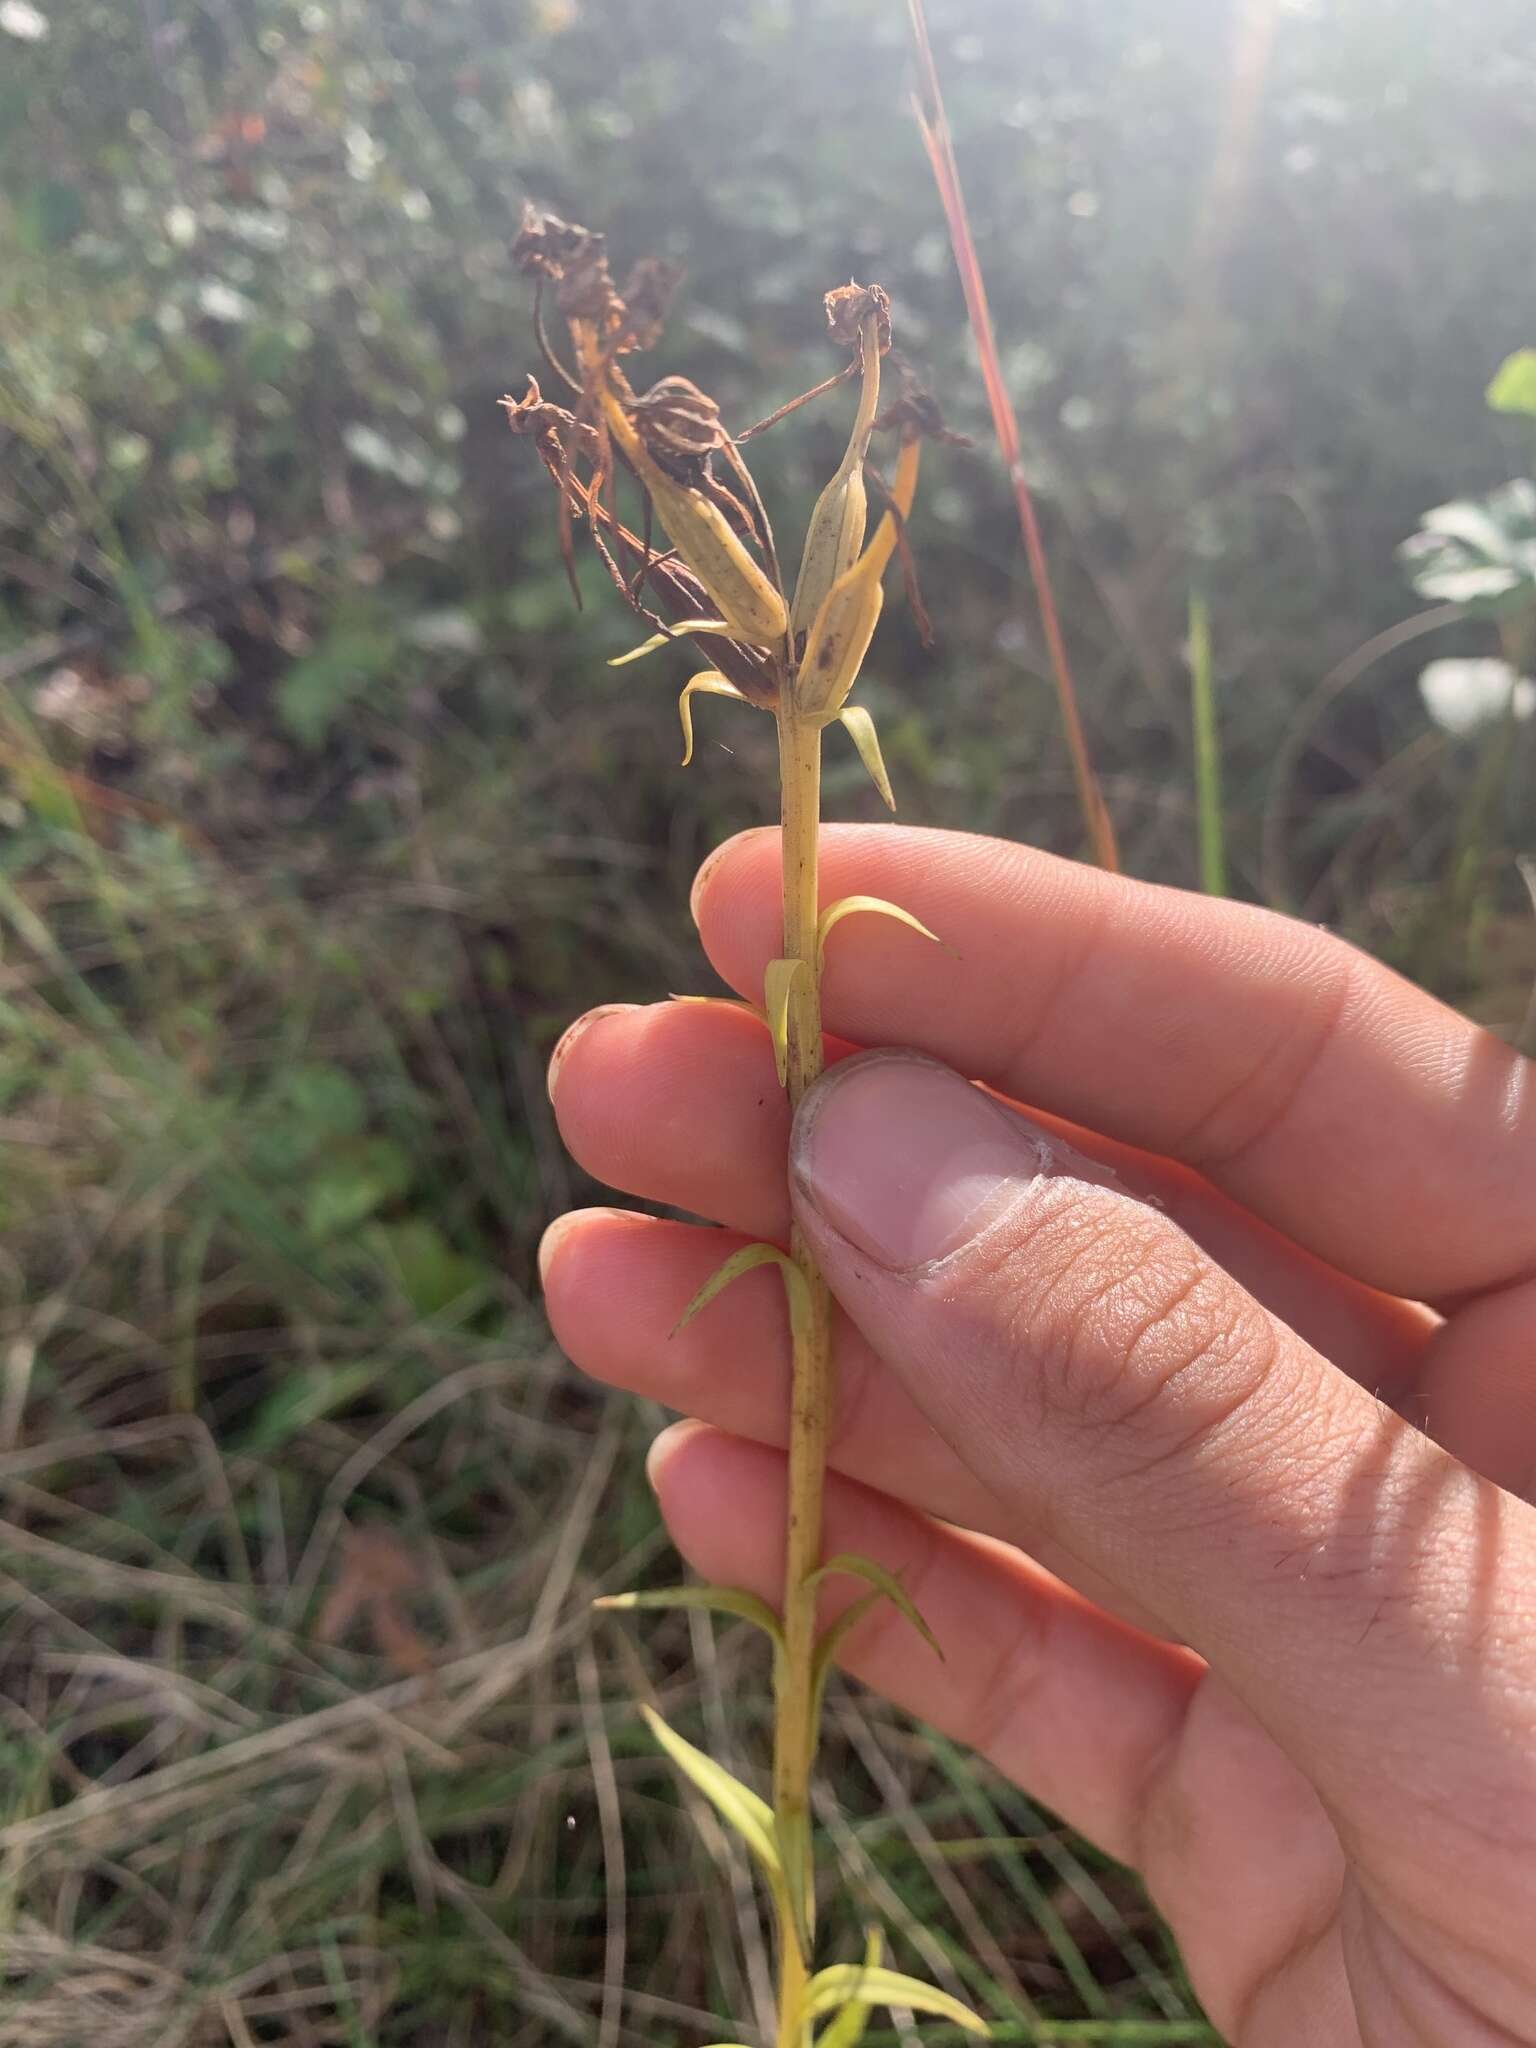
(712,585)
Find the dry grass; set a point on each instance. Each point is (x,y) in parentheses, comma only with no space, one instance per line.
(308,1733)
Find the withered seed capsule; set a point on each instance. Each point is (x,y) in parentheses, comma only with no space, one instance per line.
(702,535)
(836,532)
(844,625)
(749,604)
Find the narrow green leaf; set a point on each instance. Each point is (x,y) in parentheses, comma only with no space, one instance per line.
(664,639)
(850,1565)
(861,730)
(713,684)
(847,2030)
(781,981)
(826,1650)
(849,906)
(715,1599)
(833,1987)
(737,1804)
(745,1261)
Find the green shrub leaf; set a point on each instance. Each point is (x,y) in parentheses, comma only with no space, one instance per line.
(430,1273)
(1514,384)
(1477,552)
(364,1174)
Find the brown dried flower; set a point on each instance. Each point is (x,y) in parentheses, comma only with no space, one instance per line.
(647,296)
(849,306)
(679,424)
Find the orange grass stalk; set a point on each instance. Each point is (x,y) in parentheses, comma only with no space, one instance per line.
(928,105)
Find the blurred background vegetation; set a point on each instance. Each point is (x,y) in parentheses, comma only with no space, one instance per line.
(320,816)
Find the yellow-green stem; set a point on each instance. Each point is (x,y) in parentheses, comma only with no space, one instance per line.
(811,1400)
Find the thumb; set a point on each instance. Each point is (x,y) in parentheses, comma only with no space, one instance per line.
(1107,1382)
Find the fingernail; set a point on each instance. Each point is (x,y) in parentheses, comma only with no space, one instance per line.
(550,1242)
(567,1042)
(907,1161)
(701,880)
(662,1450)
(713,862)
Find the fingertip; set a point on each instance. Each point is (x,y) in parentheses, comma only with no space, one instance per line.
(555,1234)
(663,1458)
(565,1254)
(721,1497)
(729,855)
(573,1035)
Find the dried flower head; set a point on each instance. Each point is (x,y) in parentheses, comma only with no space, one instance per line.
(553,426)
(849,309)
(679,424)
(544,244)
(648,291)
(717,581)
(915,412)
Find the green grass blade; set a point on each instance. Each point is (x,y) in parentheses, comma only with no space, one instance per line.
(1202,698)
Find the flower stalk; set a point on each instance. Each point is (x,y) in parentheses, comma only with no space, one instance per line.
(716,589)
(794,1732)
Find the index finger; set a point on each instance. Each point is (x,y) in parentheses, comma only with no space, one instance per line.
(1354,1112)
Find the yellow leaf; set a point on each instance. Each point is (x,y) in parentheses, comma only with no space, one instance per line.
(847,2030)
(781,983)
(736,1804)
(716,1599)
(672,633)
(861,730)
(713,684)
(848,906)
(872,1985)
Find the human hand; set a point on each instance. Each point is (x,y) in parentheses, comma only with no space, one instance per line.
(1226,1537)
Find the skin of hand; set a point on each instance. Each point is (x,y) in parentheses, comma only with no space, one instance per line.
(1195,1402)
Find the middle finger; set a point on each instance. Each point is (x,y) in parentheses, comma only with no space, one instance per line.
(679,1104)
